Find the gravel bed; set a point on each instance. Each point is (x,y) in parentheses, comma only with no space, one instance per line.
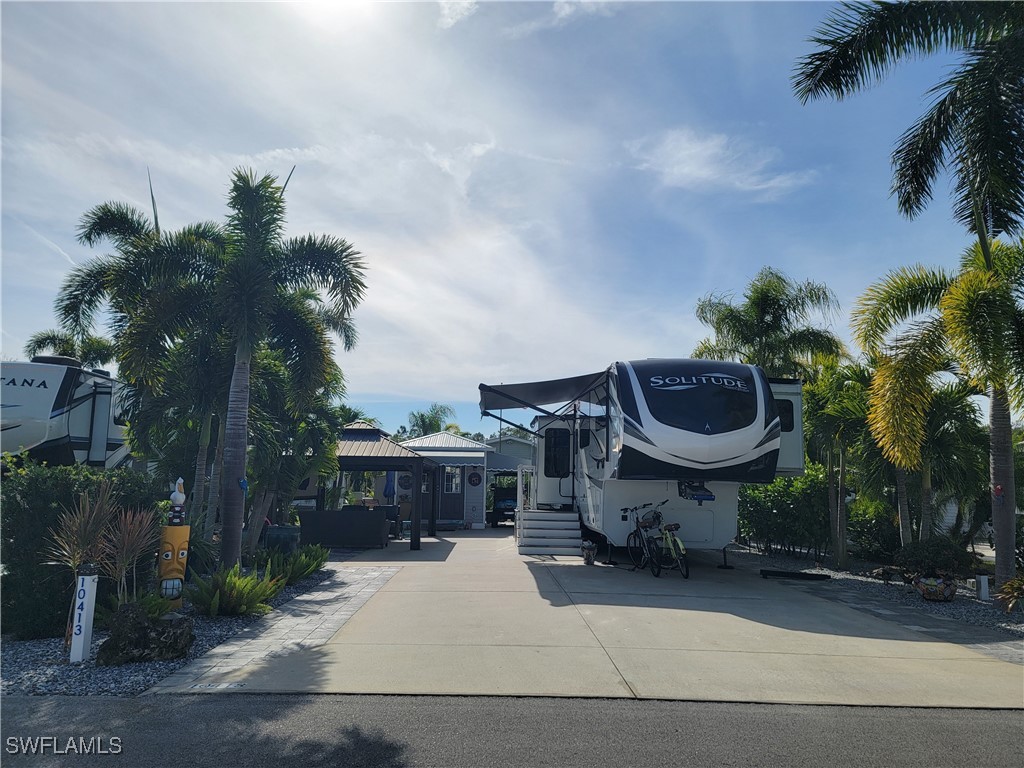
(40,667)
(965,607)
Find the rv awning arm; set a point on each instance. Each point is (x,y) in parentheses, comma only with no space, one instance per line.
(510,423)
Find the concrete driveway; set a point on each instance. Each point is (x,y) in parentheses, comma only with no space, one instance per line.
(467,615)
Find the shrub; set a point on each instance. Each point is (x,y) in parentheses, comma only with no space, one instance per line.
(936,556)
(1011,594)
(36,590)
(230,593)
(788,514)
(873,530)
(297,565)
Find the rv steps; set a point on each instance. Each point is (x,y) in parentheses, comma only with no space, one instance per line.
(542,532)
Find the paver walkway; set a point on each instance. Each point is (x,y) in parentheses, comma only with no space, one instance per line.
(306,621)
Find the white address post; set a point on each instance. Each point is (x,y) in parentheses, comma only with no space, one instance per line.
(84,607)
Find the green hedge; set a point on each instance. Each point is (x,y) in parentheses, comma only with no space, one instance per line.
(789,514)
(34,596)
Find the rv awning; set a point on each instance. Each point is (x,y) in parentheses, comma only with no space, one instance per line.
(590,387)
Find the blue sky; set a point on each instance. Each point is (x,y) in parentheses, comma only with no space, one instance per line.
(538,189)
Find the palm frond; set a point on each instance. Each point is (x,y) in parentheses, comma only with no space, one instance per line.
(902,295)
(859,43)
(978,312)
(989,142)
(120,223)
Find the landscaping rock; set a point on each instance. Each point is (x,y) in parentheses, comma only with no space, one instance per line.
(134,637)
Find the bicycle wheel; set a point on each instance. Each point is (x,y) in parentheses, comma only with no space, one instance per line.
(668,555)
(683,564)
(636,549)
(654,554)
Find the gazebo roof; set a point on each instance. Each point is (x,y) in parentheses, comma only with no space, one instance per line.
(360,439)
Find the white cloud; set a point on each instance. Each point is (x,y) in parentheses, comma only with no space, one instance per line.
(562,13)
(454,11)
(686,159)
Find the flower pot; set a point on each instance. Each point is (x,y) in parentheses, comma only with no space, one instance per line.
(939,588)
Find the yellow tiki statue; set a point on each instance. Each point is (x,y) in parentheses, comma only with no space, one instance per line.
(174,549)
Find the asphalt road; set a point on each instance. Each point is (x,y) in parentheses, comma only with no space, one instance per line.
(278,731)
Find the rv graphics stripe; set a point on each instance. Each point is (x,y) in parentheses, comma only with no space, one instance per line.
(631,430)
(76,402)
(775,431)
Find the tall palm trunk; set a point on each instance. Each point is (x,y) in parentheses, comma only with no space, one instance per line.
(1004,491)
(236,434)
(842,559)
(903,508)
(260,509)
(213,502)
(195,505)
(833,511)
(927,500)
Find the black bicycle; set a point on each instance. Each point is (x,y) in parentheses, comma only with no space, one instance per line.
(644,550)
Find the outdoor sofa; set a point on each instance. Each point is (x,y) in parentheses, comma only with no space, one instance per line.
(350,526)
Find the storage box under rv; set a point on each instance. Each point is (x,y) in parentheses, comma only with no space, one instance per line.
(690,431)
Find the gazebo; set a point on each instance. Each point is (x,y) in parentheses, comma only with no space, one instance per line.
(364,447)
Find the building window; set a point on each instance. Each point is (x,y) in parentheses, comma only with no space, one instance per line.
(453,479)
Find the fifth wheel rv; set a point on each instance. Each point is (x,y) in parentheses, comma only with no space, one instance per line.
(61,413)
(691,431)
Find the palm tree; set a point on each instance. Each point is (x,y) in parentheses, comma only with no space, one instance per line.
(771,327)
(91,351)
(974,126)
(953,449)
(289,445)
(435,419)
(836,408)
(152,284)
(973,318)
(259,294)
(973,129)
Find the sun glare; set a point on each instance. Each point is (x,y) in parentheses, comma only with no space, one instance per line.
(327,13)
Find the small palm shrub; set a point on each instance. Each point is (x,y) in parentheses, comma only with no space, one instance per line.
(229,592)
(1011,594)
(295,566)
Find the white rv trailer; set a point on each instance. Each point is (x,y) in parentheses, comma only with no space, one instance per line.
(61,413)
(691,431)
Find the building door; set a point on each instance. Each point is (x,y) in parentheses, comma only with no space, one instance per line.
(453,506)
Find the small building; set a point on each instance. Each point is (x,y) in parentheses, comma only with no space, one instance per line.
(462,467)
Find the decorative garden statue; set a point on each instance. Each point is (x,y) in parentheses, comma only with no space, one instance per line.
(174,548)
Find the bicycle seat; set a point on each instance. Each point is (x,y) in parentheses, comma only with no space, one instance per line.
(672,527)
(646,524)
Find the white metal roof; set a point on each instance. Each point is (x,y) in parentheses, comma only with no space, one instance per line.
(445,441)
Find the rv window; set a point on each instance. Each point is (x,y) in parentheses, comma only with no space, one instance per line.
(556,453)
(786,414)
(584,437)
